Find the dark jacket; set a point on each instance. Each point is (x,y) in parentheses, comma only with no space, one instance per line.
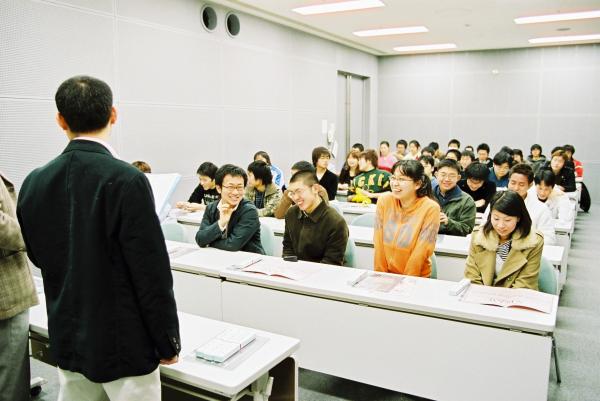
(242,232)
(317,237)
(89,224)
(536,164)
(565,177)
(460,209)
(329,181)
(499,182)
(485,192)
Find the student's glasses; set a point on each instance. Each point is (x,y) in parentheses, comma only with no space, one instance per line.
(231,188)
(398,180)
(444,176)
(296,193)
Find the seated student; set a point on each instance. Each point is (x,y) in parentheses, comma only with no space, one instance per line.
(414,150)
(466,158)
(437,152)
(142,166)
(454,144)
(232,223)
(520,180)
(206,191)
(507,250)
(555,199)
(386,158)
(577,165)
(517,156)
(349,171)
(453,154)
(565,176)
(261,191)
(458,208)
(401,146)
(469,148)
(314,231)
(536,159)
(327,179)
(483,153)
(286,200)
(428,164)
(276,172)
(406,223)
(427,151)
(358,146)
(499,172)
(371,181)
(476,185)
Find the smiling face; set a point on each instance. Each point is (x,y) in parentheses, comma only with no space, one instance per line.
(503,224)
(403,188)
(428,168)
(352,162)
(519,184)
(414,149)
(447,178)
(303,195)
(232,191)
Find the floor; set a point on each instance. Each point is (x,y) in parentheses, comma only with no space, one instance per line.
(577,335)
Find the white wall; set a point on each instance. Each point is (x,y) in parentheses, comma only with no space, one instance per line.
(184,95)
(546,95)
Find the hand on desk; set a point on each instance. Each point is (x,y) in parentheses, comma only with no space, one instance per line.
(190,206)
(169,361)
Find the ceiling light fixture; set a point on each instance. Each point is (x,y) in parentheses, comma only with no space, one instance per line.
(338,7)
(417,48)
(391,31)
(558,17)
(570,38)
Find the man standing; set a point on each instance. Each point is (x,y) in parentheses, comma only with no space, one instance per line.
(89,224)
(17,295)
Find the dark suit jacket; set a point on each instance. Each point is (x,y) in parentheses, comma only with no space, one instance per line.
(89,224)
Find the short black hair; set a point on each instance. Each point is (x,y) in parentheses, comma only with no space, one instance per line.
(454,141)
(428,159)
(545,175)
(384,143)
(207,169)
(456,152)
(518,152)
(414,170)
(536,146)
(483,146)
(359,146)
(557,148)
(230,169)
(511,204)
(415,142)
(449,163)
(468,153)
(318,152)
(434,145)
(85,103)
(507,149)
(402,142)
(569,148)
(523,169)
(307,177)
(264,155)
(477,171)
(261,171)
(502,157)
(303,165)
(469,148)
(428,149)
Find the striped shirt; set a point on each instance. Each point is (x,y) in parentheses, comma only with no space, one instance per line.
(501,254)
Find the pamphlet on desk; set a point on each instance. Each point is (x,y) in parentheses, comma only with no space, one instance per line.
(290,270)
(225,345)
(509,297)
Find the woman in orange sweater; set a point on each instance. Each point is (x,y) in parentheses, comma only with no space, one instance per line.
(407,222)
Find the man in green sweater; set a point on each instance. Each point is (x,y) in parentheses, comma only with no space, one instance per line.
(458,208)
(314,231)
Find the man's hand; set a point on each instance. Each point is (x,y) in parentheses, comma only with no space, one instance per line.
(225,212)
(443,218)
(181,205)
(194,207)
(169,361)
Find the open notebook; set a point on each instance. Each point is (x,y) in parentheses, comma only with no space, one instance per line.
(509,297)
(279,268)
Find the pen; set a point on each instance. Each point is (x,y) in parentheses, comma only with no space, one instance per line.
(352,283)
(245,264)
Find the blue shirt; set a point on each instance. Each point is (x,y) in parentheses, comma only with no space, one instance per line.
(500,182)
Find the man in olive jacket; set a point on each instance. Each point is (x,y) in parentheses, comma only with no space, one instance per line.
(17,295)
(89,223)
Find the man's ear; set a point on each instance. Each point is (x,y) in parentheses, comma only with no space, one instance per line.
(218,188)
(113,115)
(62,123)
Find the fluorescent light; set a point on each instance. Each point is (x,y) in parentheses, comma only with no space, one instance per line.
(571,38)
(391,31)
(338,7)
(558,17)
(440,46)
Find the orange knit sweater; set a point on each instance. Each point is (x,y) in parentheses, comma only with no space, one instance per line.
(404,239)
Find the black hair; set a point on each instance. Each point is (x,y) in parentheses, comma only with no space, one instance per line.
(456,152)
(556,149)
(518,152)
(449,163)
(523,169)
(230,169)
(569,148)
(207,169)
(536,146)
(261,171)
(511,204)
(454,141)
(428,149)
(402,142)
(428,159)
(303,165)
(359,146)
(85,103)
(384,143)
(264,155)
(414,170)
(307,177)
(318,152)
(415,142)
(546,176)
(434,145)
(502,157)
(483,146)
(469,148)
(468,153)
(477,171)
(508,150)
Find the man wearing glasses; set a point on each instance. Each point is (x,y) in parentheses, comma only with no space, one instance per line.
(458,208)
(232,223)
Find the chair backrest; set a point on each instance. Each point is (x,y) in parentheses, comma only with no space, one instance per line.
(173,231)
(267,239)
(364,220)
(337,208)
(350,254)
(548,278)
(433,266)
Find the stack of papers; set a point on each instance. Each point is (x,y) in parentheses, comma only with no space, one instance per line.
(225,345)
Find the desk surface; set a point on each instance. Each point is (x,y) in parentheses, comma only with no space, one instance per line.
(195,331)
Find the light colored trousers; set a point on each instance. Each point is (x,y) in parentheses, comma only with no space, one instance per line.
(15,375)
(76,387)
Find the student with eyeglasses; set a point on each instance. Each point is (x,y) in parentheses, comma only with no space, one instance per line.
(406,223)
(232,223)
(287,201)
(458,208)
(314,231)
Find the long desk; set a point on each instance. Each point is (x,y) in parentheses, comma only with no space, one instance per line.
(405,340)
(192,379)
